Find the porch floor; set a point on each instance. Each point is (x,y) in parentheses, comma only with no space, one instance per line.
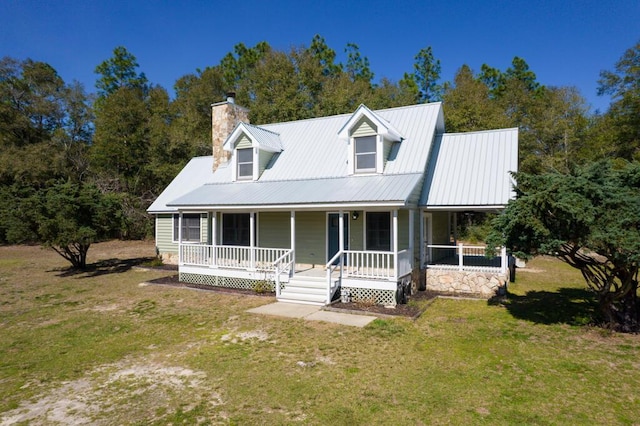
(310,271)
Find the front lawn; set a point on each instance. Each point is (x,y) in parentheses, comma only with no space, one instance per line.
(100,348)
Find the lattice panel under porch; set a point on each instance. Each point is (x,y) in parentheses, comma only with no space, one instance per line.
(228,282)
(379,297)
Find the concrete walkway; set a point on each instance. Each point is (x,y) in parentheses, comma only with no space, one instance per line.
(312,313)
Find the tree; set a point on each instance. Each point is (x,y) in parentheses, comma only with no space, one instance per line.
(357,66)
(119,71)
(426,73)
(468,105)
(623,84)
(590,219)
(72,217)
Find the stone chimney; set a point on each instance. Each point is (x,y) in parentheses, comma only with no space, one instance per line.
(224,118)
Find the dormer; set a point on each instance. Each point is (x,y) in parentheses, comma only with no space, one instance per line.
(370,138)
(251,149)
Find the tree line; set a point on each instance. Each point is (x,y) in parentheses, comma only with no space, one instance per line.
(78,166)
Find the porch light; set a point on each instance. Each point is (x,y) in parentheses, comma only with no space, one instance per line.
(355,215)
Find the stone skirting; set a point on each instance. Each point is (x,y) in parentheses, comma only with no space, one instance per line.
(483,284)
(169,258)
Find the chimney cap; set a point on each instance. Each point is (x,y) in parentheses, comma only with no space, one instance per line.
(231,97)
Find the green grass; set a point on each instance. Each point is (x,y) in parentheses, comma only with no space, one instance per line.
(131,354)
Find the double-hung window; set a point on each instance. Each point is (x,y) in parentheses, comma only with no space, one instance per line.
(190,227)
(245,163)
(365,154)
(378,231)
(236,229)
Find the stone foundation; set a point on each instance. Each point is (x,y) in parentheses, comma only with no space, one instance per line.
(169,258)
(483,284)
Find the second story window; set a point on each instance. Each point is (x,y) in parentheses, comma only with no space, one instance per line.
(245,163)
(365,154)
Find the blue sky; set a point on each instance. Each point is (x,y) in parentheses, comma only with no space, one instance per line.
(566,43)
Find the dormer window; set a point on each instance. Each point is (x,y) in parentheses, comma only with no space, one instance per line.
(365,154)
(245,163)
(252,148)
(370,139)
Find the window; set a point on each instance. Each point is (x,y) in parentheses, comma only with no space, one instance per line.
(245,163)
(235,229)
(190,227)
(379,231)
(365,153)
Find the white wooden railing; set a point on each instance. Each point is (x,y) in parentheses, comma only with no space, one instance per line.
(235,257)
(464,258)
(283,264)
(371,265)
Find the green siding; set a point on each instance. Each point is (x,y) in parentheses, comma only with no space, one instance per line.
(243,142)
(274,229)
(164,234)
(356,232)
(440,228)
(364,127)
(403,229)
(263,159)
(311,238)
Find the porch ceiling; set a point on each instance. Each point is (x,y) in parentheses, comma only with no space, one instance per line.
(354,190)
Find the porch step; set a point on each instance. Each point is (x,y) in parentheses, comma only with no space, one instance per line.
(308,290)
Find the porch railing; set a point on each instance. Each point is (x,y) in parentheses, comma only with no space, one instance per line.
(283,264)
(372,265)
(464,258)
(233,257)
(369,264)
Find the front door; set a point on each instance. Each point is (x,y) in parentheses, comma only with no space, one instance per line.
(333,234)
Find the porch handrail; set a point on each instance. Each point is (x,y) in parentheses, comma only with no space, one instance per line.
(277,264)
(331,266)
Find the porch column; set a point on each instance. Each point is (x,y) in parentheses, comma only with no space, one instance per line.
(180,239)
(214,238)
(412,254)
(395,243)
(252,237)
(293,241)
(341,230)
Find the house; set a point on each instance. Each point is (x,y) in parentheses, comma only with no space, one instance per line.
(352,205)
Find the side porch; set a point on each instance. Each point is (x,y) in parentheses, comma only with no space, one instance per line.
(454,267)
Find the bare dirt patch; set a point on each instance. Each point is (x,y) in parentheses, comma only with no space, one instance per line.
(92,398)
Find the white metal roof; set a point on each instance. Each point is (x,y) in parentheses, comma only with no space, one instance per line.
(194,174)
(261,137)
(471,169)
(370,190)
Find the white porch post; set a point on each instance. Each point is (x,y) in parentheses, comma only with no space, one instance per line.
(293,241)
(180,239)
(395,244)
(412,254)
(214,238)
(341,231)
(252,236)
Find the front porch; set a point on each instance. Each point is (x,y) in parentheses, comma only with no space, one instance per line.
(369,275)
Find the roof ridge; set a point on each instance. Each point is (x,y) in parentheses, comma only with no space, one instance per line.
(481,131)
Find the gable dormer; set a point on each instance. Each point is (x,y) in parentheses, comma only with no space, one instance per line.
(251,149)
(370,138)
